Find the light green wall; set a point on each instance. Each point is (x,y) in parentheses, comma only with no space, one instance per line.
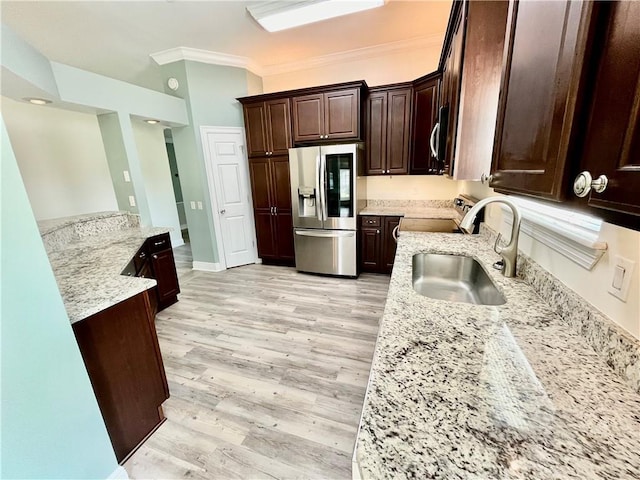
(51,425)
(210,92)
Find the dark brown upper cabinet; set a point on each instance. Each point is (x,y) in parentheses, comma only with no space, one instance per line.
(426,101)
(268,127)
(388,129)
(611,144)
(327,115)
(543,76)
(472,67)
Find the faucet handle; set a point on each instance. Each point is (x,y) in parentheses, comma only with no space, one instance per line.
(497,248)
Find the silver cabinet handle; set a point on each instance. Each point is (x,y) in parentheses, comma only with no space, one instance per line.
(584,182)
(378,232)
(432,139)
(486,179)
(394,234)
(275,210)
(155,257)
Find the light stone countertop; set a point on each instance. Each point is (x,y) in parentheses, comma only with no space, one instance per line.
(88,270)
(480,392)
(412,212)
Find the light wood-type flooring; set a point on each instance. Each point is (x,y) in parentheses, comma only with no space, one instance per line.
(267,370)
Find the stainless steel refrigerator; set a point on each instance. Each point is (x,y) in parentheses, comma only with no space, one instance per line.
(327,194)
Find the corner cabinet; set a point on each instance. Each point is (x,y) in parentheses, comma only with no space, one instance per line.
(388,129)
(326,115)
(271,191)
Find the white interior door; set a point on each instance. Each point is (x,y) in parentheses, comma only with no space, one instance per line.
(232,203)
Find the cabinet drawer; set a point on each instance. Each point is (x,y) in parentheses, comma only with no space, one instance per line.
(369,221)
(158,243)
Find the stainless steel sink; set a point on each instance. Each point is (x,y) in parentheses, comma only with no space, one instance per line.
(455,278)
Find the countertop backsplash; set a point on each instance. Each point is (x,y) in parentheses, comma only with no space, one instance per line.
(619,349)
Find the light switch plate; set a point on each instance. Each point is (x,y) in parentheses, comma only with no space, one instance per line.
(193,205)
(199,205)
(132,200)
(125,174)
(622,267)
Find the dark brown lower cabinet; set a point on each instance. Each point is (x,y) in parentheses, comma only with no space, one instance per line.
(155,260)
(377,247)
(120,349)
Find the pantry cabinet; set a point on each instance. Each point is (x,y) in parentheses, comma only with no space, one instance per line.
(388,129)
(271,191)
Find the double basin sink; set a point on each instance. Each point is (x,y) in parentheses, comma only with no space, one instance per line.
(455,278)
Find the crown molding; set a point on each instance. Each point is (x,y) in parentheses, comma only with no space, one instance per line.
(356,54)
(216,58)
(205,56)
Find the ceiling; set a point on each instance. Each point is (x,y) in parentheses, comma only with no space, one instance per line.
(115,38)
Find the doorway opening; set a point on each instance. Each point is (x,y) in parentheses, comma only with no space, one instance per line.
(177,188)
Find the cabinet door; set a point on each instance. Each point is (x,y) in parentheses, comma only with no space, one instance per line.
(265,234)
(376,133)
(425,113)
(283,219)
(255,123)
(279,125)
(612,140)
(545,46)
(370,249)
(398,131)
(164,270)
(452,76)
(260,183)
(388,243)
(341,114)
(308,117)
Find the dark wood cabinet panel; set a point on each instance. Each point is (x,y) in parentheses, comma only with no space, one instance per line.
(543,73)
(398,130)
(271,190)
(256,129)
(308,117)
(388,130)
(376,134)
(260,183)
(426,101)
(370,249)
(377,247)
(164,270)
(388,244)
(341,114)
(612,139)
(268,127)
(279,126)
(120,349)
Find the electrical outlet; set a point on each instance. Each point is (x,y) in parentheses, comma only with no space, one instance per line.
(199,205)
(132,200)
(126,176)
(621,277)
(193,205)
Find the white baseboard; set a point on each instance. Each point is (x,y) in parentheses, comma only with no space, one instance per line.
(207,266)
(258,261)
(119,474)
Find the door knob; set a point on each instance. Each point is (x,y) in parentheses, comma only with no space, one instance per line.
(223,211)
(584,182)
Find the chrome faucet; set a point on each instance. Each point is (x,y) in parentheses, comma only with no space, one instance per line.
(509,253)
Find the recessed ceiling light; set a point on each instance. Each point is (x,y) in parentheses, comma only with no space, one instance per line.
(152,122)
(282,14)
(37,101)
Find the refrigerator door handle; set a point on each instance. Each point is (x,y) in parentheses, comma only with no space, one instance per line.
(318,189)
(325,233)
(323,185)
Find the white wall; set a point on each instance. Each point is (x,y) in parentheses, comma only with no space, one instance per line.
(394,67)
(154,162)
(61,158)
(591,285)
(411,187)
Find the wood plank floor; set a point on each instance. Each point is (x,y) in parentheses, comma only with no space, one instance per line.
(267,370)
